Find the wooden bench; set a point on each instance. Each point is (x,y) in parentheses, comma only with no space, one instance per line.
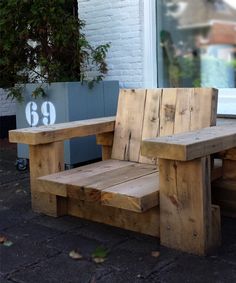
(160,187)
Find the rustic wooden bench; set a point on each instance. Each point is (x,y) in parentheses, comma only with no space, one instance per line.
(150,180)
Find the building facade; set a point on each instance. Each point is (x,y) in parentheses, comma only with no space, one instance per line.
(164,43)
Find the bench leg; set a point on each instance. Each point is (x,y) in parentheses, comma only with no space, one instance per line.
(186,221)
(106,141)
(46,159)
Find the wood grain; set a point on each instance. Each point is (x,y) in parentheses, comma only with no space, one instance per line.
(185,205)
(46,159)
(129,125)
(191,145)
(137,195)
(147,222)
(60,132)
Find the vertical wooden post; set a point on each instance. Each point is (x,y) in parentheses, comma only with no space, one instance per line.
(224,190)
(46,159)
(185,205)
(106,141)
(229,164)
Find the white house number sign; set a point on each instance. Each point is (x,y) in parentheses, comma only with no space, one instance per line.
(46,115)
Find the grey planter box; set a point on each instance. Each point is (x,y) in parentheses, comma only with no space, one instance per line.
(66,102)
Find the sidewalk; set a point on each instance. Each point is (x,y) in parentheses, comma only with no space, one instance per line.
(39,245)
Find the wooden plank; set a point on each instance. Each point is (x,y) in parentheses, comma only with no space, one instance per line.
(203,108)
(46,159)
(224,190)
(136,195)
(224,194)
(182,122)
(60,132)
(167,111)
(229,154)
(147,222)
(228,208)
(217,170)
(151,121)
(185,205)
(106,152)
(177,110)
(57,183)
(191,145)
(229,169)
(90,188)
(216,228)
(106,140)
(129,124)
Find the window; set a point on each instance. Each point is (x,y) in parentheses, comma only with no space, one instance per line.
(196,43)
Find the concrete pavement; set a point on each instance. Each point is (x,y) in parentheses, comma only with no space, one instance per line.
(39,245)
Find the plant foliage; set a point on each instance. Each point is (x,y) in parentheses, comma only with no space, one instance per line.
(43,41)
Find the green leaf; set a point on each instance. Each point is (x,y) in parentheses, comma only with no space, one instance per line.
(100,252)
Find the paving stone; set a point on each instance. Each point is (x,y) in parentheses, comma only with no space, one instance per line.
(194,269)
(62,223)
(33,232)
(60,269)
(69,241)
(10,217)
(105,234)
(142,245)
(130,265)
(41,246)
(21,254)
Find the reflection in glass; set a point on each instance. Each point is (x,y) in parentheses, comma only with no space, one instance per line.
(197,43)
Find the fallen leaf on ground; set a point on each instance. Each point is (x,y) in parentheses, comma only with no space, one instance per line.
(2,239)
(7,243)
(98,259)
(75,255)
(155,253)
(100,254)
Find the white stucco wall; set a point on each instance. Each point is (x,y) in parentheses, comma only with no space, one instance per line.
(119,22)
(7,106)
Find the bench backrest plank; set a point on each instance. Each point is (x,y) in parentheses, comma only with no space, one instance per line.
(143,114)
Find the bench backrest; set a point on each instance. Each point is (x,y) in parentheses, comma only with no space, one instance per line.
(151,113)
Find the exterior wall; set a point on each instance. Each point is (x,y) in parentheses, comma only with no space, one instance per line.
(7,107)
(119,22)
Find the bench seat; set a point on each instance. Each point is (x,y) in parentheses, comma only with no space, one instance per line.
(122,184)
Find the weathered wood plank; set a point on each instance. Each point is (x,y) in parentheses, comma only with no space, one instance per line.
(167,111)
(60,132)
(147,222)
(185,205)
(46,159)
(137,195)
(217,170)
(224,195)
(90,189)
(203,108)
(129,124)
(151,121)
(182,122)
(191,145)
(57,183)
(106,140)
(215,241)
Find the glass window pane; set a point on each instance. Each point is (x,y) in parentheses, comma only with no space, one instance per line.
(196,43)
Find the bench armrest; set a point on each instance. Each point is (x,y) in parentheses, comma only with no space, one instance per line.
(60,132)
(191,145)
